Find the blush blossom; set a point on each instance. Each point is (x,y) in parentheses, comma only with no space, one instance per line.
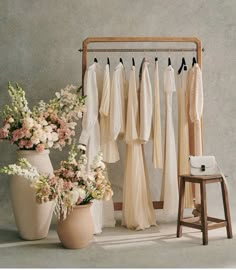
(48,125)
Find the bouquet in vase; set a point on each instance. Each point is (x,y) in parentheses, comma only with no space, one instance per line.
(47,125)
(70,185)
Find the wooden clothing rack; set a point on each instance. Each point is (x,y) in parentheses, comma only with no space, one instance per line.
(198,49)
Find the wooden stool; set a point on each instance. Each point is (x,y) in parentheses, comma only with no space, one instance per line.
(201,223)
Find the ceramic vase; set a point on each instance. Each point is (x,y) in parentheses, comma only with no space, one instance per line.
(76,231)
(32,219)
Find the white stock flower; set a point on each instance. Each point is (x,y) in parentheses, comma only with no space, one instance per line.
(35,140)
(54,136)
(28,122)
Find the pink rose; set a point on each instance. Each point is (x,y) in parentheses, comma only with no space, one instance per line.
(29,144)
(70,174)
(67,185)
(52,180)
(3,133)
(40,147)
(62,123)
(21,143)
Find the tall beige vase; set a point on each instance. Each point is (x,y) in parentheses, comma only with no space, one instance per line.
(76,231)
(32,219)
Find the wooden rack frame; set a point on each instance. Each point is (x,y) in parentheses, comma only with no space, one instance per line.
(89,40)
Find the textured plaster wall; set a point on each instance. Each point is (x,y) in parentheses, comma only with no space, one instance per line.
(38,49)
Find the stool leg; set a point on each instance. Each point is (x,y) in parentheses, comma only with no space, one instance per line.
(181,207)
(204,213)
(226,209)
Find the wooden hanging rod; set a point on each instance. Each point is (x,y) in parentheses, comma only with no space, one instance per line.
(143,50)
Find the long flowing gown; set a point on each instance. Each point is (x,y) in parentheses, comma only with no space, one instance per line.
(138,212)
(169,194)
(157,157)
(90,135)
(195,114)
(183,134)
(109,147)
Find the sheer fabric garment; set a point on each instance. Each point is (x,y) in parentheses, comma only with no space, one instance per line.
(146,104)
(118,103)
(90,135)
(108,145)
(157,157)
(196,107)
(183,134)
(169,194)
(138,212)
(195,99)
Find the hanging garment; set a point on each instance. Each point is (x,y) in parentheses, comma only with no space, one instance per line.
(157,145)
(196,107)
(170,193)
(146,104)
(108,146)
(195,114)
(118,97)
(138,212)
(90,135)
(183,134)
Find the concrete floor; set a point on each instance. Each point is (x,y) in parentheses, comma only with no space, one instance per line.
(118,247)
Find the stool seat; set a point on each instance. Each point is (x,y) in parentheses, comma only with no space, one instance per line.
(204,222)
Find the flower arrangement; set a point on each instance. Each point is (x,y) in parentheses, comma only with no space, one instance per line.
(48,125)
(72,184)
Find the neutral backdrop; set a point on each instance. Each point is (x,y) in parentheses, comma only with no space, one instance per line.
(39,42)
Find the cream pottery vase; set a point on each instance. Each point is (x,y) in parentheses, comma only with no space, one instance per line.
(32,219)
(76,231)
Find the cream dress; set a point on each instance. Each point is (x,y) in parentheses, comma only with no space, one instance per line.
(195,114)
(90,135)
(146,104)
(108,146)
(170,193)
(138,212)
(118,103)
(157,157)
(183,134)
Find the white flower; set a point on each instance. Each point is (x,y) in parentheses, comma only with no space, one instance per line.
(35,140)
(82,193)
(10,120)
(54,136)
(48,128)
(28,122)
(50,144)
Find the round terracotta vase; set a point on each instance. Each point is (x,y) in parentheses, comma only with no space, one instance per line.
(76,231)
(32,219)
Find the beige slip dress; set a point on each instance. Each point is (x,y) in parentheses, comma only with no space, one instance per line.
(157,157)
(138,212)
(195,114)
(183,134)
(170,192)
